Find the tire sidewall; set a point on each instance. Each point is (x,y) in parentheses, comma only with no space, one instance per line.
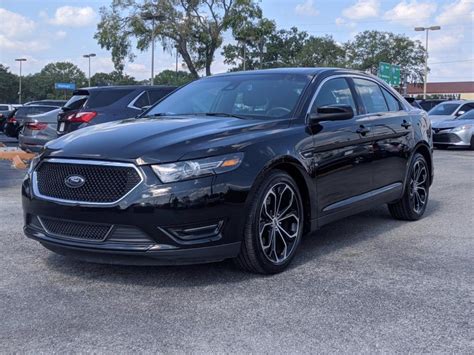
(418,157)
(274,178)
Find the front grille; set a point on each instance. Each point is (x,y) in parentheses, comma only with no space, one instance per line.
(446,138)
(76,230)
(102,183)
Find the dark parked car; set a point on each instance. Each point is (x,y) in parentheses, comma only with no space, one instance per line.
(6,110)
(91,106)
(239,165)
(428,104)
(38,130)
(15,123)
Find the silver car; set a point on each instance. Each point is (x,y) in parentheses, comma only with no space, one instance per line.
(37,130)
(457,132)
(449,110)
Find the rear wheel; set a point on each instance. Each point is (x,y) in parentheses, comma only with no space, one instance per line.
(412,205)
(274,226)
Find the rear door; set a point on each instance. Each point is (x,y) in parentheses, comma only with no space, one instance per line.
(390,131)
(341,153)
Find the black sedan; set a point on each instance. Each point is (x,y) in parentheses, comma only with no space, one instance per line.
(236,166)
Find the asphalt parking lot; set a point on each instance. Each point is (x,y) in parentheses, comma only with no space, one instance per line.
(364,284)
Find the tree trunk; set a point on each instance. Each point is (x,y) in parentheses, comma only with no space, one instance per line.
(183,51)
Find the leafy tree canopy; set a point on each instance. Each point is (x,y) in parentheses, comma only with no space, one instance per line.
(193,27)
(171,77)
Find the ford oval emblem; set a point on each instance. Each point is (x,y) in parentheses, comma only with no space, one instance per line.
(74,181)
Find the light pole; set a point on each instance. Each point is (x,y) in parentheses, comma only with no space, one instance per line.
(19,89)
(427,30)
(153,18)
(89,56)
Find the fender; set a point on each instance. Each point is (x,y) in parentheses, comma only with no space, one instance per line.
(429,160)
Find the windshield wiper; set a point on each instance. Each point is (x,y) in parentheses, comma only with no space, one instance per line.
(222,114)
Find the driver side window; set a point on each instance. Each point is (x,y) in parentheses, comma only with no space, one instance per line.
(334,92)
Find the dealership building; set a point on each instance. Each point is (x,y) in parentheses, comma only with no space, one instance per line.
(454,90)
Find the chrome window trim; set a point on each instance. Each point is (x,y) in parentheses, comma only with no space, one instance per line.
(37,193)
(336,76)
(132,103)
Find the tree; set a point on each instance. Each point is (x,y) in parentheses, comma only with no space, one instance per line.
(369,48)
(321,52)
(112,78)
(41,85)
(170,77)
(8,86)
(193,27)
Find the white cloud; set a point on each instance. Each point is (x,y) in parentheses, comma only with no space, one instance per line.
(72,16)
(456,12)
(362,9)
(13,25)
(341,21)
(411,13)
(306,9)
(15,45)
(60,34)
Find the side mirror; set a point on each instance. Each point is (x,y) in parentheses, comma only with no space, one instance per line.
(331,113)
(460,113)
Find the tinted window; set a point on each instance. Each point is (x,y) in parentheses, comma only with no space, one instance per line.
(334,92)
(392,102)
(76,102)
(142,100)
(467,116)
(466,108)
(252,95)
(371,96)
(156,95)
(3,108)
(443,109)
(101,98)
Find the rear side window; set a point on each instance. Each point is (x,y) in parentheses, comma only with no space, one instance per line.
(466,107)
(392,102)
(101,98)
(157,95)
(371,96)
(76,102)
(142,100)
(3,108)
(334,92)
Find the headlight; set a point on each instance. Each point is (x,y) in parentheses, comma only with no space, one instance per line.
(190,169)
(461,128)
(33,164)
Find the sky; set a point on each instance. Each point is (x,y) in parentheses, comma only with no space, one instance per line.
(44,31)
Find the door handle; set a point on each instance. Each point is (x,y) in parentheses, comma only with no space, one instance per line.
(406,124)
(363,130)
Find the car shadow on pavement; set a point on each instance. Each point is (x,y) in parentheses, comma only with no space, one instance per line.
(339,235)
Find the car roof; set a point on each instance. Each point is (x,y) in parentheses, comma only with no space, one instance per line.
(121,87)
(303,71)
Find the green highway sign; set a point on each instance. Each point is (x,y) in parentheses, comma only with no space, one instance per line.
(390,73)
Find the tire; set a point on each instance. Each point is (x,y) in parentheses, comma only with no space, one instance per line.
(271,239)
(472,143)
(441,146)
(412,205)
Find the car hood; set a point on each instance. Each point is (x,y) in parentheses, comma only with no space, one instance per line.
(439,118)
(451,123)
(165,139)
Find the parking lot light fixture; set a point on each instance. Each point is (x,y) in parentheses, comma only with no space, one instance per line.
(149,16)
(426,29)
(19,88)
(89,56)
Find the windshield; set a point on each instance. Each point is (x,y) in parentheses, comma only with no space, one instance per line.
(443,109)
(467,116)
(249,95)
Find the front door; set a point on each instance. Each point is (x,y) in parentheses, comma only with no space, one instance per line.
(341,150)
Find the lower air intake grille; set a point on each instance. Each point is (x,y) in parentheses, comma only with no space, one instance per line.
(75,230)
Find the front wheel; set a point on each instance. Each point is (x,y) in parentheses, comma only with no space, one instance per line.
(412,205)
(274,226)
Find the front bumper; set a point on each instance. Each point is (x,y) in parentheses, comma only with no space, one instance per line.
(187,222)
(462,138)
